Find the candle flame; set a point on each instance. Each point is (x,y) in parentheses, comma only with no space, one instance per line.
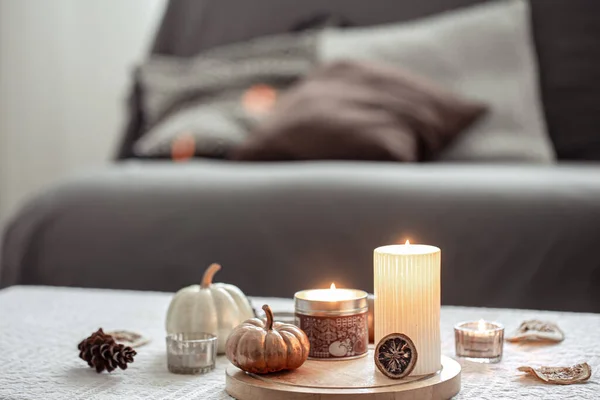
(407,242)
(481,325)
(332,287)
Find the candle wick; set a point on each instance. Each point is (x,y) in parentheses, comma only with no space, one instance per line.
(481,325)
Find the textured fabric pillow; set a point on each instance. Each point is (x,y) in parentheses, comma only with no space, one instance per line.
(360,111)
(567,37)
(483,52)
(213,100)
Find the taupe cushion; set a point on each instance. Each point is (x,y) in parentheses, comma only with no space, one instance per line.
(360,111)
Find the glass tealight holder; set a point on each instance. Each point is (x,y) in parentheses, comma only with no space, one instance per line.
(479,341)
(191,353)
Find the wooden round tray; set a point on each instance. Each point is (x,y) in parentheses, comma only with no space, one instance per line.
(352,379)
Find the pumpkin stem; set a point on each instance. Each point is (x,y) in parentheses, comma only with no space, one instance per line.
(269,322)
(208,275)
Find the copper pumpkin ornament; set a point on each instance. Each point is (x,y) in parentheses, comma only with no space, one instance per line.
(262,347)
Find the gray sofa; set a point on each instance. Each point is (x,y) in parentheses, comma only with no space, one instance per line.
(523,236)
(511,236)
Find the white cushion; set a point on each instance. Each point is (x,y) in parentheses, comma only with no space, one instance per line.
(484,52)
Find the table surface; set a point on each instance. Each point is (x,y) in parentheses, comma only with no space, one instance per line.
(40,328)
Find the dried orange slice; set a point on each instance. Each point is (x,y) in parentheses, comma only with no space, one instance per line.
(396,355)
(128,338)
(537,331)
(560,375)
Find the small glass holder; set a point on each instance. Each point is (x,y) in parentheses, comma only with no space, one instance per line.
(191,353)
(479,341)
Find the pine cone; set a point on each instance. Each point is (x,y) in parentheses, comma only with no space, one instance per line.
(102,352)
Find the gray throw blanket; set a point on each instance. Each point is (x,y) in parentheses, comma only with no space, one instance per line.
(214,100)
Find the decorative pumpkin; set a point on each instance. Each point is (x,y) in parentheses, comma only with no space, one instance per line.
(261,347)
(214,308)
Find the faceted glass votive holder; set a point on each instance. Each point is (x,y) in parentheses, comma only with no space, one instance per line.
(479,341)
(191,353)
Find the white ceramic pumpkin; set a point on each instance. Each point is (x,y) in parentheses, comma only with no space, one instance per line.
(214,308)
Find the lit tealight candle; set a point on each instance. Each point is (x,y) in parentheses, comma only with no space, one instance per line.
(480,341)
(335,321)
(407,299)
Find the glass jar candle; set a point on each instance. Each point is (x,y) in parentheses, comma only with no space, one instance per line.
(479,341)
(335,321)
(191,353)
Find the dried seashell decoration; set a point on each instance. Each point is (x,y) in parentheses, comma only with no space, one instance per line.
(560,375)
(537,331)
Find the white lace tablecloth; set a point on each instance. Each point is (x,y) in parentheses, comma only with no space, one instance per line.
(41,326)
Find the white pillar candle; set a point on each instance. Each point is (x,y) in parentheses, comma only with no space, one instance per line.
(407,299)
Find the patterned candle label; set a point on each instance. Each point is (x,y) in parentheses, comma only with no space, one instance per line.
(335,337)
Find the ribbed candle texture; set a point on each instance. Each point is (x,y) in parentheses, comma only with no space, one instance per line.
(407,299)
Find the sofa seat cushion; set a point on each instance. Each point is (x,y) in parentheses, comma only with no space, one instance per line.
(519,237)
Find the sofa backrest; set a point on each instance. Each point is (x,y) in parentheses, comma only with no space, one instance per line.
(566,34)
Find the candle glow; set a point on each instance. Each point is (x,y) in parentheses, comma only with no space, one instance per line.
(331,294)
(481,325)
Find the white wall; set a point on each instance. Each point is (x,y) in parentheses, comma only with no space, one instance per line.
(64,76)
